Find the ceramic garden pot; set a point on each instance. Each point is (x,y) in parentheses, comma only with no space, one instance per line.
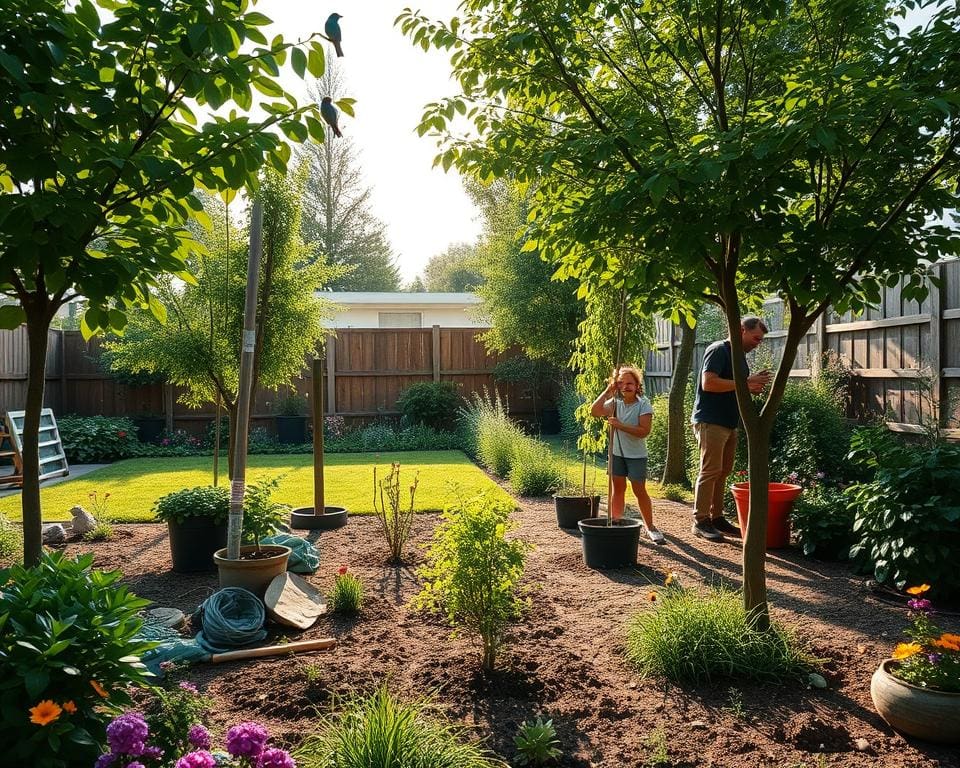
(252,573)
(914,711)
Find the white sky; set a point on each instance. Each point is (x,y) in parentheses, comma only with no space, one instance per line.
(425,209)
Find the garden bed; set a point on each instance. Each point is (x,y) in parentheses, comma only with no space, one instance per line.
(566,657)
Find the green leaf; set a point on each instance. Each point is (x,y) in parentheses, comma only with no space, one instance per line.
(157,309)
(298,61)
(11,316)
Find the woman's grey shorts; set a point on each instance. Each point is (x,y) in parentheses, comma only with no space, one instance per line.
(633,469)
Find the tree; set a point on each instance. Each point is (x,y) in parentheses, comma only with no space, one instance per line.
(525,306)
(717,151)
(337,215)
(102,152)
(456,269)
(415,286)
(198,347)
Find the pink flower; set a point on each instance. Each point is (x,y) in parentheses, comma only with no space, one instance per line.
(342,570)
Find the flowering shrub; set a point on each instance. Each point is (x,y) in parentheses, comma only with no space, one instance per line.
(932,657)
(175,716)
(128,738)
(334,427)
(94,439)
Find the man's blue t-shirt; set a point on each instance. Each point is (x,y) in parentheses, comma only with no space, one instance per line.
(717,407)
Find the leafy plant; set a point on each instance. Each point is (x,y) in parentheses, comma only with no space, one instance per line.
(433,403)
(822,520)
(533,468)
(98,439)
(473,572)
(68,650)
(675,492)
(171,714)
(262,516)
(293,404)
(379,730)
(656,742)
(932,657)
(102,531)
(11,540)
(693,638)
(395,521)
(347,593)
(906,517)
(201,501)
(537,743)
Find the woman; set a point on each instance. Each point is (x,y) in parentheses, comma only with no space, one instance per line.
(630,416)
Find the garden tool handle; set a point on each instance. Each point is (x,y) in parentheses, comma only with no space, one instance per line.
(275,650)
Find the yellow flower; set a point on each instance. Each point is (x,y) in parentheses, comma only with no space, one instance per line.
(905,650)
(45,712)
(671,577)
(918,590)
(101,691)
(69,707)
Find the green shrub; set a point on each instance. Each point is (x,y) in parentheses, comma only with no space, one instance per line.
(674,492)
(97,439)
(394,514)
(292,404)
(68,652)
(379,730)
(11,541)
(657,439)
(347,593)
(384,438)
(906,517)
(376,437)
(533,468)
(822,521)
(193,502)
(433,403)
(171,712)
(102,531)
(568,400)
(692,638)
(537,743)
(262,516)
(473,572)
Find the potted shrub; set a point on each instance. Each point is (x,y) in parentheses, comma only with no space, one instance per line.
(258,564)
(917,691)
(291,419)
(575,502)
(196,519)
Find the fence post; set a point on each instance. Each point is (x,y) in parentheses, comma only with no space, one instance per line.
(436,353)
(330,350)
(935,353)
(819,344)
(63,372)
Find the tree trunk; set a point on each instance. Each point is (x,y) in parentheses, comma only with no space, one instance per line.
(232,416)
(755,537)
(675,467)
(38,325)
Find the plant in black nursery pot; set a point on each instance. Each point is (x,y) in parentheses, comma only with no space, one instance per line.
(291,418)
(197,521)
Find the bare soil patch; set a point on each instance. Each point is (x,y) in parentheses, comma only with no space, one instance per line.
(565,659)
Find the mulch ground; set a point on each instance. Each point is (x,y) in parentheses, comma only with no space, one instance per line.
(565,659)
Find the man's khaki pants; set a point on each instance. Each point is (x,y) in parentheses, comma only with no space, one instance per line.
(718,447)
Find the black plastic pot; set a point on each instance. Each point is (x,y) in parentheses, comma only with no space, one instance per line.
(613,546)
(292,429)
(572,509)
(149,428)
(193,542)
(550,421)
(303,518)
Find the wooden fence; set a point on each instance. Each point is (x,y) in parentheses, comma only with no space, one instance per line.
(904,356)
(365,372)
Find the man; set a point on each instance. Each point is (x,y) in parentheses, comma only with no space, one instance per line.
(715,421)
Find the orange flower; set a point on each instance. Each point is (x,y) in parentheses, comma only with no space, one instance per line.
(905,650)
(918,590)
(652,597)
(101,691)
(45,712)
(948,641)
(69,707)
(342,570)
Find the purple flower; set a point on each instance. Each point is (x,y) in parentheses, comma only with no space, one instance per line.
(127,734)
(154,753)
(187,686)
(199,737)
(919,604)
(105,760)
(199,759)
(246,740)
(136,764)
(933,658)
(275,758)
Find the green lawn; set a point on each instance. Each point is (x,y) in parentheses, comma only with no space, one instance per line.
(134,485)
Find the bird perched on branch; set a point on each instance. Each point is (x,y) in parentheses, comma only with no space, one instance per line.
(332,30)
(330,115)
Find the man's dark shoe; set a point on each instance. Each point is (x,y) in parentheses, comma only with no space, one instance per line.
(725,527)
(706,531)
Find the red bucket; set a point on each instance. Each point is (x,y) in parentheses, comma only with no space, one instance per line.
(782,496)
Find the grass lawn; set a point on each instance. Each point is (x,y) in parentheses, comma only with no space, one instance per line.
(135,484)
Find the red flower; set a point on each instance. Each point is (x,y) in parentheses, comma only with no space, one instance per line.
(121,434)
(342,570)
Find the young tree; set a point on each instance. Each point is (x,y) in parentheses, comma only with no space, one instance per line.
(802,149)
(102,152)
(199,345)
(338,217)
(456,269)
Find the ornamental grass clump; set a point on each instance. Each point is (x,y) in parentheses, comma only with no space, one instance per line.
(932,657)
(347,593)
(379,730)
(533,468)
(701,638)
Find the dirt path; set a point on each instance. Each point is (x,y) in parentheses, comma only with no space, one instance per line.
(565,659)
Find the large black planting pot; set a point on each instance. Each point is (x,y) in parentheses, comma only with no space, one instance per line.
(613,546)
(304,518)
(193,542)
(291,430)
(572,509)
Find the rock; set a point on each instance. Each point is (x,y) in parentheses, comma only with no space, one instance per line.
(697,725)
(83,521)
(861,745)
(54,534)
(172,618)
(816,680)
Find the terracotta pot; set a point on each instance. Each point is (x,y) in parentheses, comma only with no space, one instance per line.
(254,575)
(781,498)
(926,714)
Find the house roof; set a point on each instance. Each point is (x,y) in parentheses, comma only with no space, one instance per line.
(392,298)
